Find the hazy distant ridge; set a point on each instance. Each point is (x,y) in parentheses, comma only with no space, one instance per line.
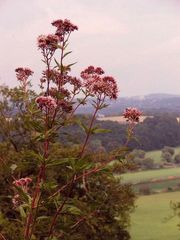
(160,102)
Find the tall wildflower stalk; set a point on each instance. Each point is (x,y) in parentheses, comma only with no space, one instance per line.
(48,113)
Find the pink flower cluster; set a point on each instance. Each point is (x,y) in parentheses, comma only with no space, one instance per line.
(50,75)
(48,42)
(65,106)
(75,82)
(63,27)
(23,183)
(99,85)
(22,74)
(132,115)
(46,102)
(16,200)
(91,70)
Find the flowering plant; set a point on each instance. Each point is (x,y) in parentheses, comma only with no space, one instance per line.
(52,206)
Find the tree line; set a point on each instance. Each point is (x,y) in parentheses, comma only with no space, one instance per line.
(153,133)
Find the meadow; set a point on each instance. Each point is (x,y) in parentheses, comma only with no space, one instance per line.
(152,218)
(156,155)
(151,175)
(164,179)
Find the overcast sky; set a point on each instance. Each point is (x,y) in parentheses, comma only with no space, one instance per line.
(136,41)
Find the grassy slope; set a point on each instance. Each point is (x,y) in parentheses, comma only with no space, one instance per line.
(150,174)
(148,219)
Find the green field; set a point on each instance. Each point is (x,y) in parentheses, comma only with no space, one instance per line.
(142,176)
(148,220)
(156,155)
(165,185)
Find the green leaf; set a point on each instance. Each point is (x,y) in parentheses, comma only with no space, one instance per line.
(70,167)
(49,185)
(59,46)
(42,218)
(40,137)
(81,101)
(33,237)
(66,54)
(82,125)
(58,65)
(39,157)
(53,238)
(101,130)
(13,167)
(22,212)
(74,210)
(70,65)
(35,125)
(121,150)
(58,162)
(94,105)
(82,164)
(66,44)
(106,170)
(103,106)
(23,195)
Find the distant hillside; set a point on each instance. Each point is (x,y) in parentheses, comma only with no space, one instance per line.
(149,104)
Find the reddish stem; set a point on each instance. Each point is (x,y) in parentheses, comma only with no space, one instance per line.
(59,83)
(2,237)
(82,219)
(28,233)
(53,223)
(41,177)
(74,177)
(89,131)
(94,170)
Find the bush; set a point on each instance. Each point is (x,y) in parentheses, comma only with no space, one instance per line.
(144,190)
